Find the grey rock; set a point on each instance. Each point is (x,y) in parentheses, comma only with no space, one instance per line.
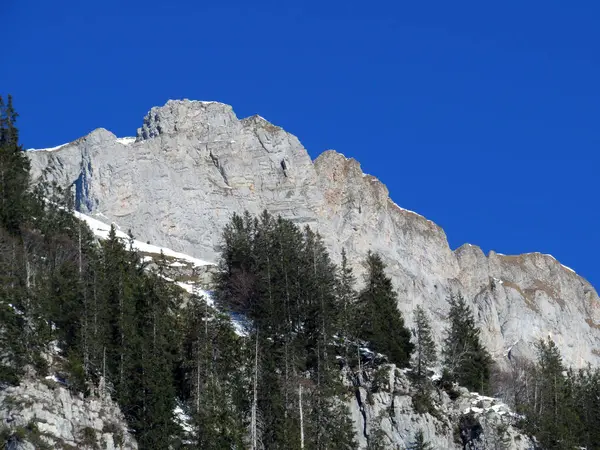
(195,163)
(62,418)
(387,413)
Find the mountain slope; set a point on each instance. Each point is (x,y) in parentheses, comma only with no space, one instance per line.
(193,164)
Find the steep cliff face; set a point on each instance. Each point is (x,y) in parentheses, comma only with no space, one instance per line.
(44,414)
(528,297)
(193,164)
(384,413)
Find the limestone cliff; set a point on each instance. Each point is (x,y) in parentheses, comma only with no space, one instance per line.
(384,413)
(192,164)
(44,414)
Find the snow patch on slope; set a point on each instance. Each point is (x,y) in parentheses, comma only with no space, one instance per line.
(565,267)
(50,149)
(126,140)
(101,230)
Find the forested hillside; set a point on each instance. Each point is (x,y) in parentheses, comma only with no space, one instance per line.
(95,316)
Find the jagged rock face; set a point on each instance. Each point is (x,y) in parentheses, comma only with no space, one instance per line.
(384,412)
(194,163)
(528,297)
(50,415)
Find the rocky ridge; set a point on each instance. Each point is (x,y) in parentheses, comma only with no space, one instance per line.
(192,164)
(384,412)
(39,414)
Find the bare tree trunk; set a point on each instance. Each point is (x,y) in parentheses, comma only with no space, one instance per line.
(253,430)
(198,364)
(122,355)
(301,417)
(80,257)
(104,371)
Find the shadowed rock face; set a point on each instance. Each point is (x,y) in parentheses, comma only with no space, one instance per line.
(195,163)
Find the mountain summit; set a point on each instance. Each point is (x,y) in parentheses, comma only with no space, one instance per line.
(192,164)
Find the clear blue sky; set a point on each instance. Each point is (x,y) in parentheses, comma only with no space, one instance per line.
(482,116)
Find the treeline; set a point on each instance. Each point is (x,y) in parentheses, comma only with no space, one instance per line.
(558,405)
(91,313)
(310,325)
(94,314)
(305,319)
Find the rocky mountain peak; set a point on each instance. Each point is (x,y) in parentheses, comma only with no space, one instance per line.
(260,122)
(186,116)
(195,163)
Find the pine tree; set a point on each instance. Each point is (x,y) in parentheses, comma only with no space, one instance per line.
(14,171)
(425,354)
(346,299)
(121,281)
(419,442)
(380,321)
(466,360)
(283,280)
(551,413)
(153,395)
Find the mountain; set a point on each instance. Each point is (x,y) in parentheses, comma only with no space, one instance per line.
(192,164)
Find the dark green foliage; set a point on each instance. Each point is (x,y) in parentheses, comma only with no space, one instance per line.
(14,171)
(282,279)
(108,322)
(419,442)
(214,381)
(585,390)
(379,320)
(347,298)
(466,360)
(552,413)
(470,430)
(422,401)
(425,354)
(154,343)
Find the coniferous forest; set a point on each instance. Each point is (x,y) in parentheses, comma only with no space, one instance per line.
(92,311)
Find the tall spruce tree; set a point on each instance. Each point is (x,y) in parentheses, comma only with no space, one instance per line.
(425,353)
(586,405)
(551,413)
(347,298)
(215,362)
(379,320)
(152,397)
(466,361)
(282,279)
(14,170)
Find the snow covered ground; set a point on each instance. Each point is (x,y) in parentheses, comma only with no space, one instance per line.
(101,230)
(126,140)
(50,149)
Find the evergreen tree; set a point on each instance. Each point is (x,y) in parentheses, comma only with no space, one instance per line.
(419,442)
(12,314)
(551,412)
(425,354)
(119,287)
(346,298)
(153,395)
(282,279)
(214,364)
(586,405)
(466,360)
(379,320)
(14,170)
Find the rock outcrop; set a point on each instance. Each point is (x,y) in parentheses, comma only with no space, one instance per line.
(40,414)
(192,164)
(386,415)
